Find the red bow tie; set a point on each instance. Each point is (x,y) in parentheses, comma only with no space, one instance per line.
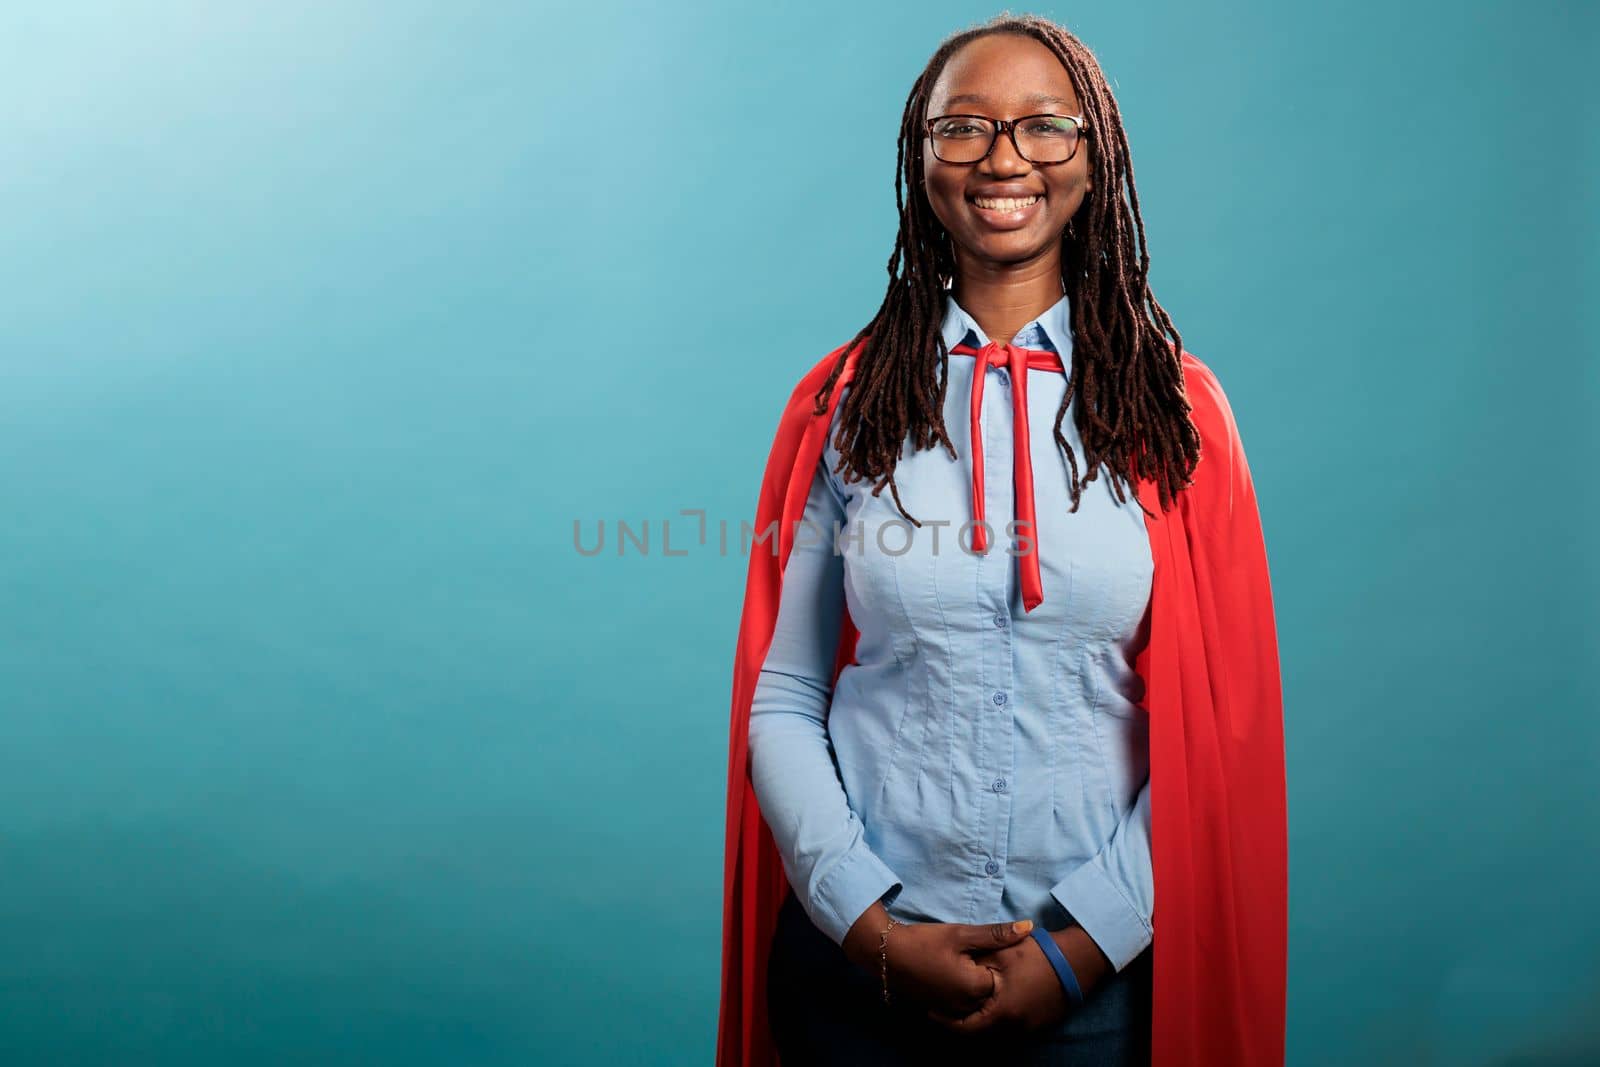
(1018,361)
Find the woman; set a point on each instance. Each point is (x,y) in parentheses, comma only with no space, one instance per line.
(942,737)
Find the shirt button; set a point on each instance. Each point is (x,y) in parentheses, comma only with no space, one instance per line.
(999,785)
(1000,621)
(999,698)
(991,867)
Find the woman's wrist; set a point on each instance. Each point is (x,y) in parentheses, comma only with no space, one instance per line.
(861,940)
(1089,964)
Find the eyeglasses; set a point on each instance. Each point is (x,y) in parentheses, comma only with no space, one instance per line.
(1037,138)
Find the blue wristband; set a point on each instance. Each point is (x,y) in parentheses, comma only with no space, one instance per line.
(1052,952)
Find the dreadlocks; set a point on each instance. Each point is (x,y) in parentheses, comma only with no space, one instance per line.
(1132,412)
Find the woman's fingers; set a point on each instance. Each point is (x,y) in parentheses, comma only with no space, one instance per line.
(980,989)
(981,1019)
(986,936)
(954,1022)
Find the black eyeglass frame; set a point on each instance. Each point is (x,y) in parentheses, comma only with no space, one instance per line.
(1009,128)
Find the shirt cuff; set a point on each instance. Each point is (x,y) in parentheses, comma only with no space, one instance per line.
(1097,905)
(849,889)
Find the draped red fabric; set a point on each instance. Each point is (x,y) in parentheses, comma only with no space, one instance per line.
(1219,828)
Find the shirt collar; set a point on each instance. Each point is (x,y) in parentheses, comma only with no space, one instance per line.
(1052,329)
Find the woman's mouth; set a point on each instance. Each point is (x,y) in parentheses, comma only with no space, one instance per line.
(1006,212)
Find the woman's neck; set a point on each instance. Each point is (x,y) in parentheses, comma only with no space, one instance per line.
(1004,304)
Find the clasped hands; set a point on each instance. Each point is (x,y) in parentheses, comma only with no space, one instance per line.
(985,978)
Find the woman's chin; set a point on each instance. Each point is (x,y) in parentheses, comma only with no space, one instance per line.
(1012,246)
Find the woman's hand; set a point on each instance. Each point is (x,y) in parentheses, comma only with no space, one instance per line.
(1027,991)
(933,963)
(1027,995)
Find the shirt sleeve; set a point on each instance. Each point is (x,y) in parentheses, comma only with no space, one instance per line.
(1112,895)
(836,876)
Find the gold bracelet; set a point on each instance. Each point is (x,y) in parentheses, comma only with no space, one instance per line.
(883,949)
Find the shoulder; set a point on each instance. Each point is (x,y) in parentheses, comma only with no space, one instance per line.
(799,414)
(818,373)
(1222,473)
(803,397)
(1212,415)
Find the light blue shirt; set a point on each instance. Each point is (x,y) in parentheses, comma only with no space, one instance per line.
(977,763)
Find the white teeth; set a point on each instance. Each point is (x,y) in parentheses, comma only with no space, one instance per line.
(1005,203)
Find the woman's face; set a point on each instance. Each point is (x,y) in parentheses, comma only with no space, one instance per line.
(1004,76)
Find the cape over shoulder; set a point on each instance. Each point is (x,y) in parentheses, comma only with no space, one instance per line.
(803,397)
(1212,415)
(1221,478)
(1221,452)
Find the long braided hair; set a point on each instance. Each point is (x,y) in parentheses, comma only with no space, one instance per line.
(1132,410)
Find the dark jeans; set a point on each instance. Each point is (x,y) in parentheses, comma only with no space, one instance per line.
(826,1010)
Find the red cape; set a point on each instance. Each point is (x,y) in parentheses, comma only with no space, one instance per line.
(1219,826)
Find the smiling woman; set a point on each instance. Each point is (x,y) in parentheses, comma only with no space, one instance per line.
(956,774)
(1046,144)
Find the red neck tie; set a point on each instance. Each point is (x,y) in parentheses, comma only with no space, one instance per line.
(1018,361)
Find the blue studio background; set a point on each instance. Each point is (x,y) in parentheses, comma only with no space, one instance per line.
(321,324)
